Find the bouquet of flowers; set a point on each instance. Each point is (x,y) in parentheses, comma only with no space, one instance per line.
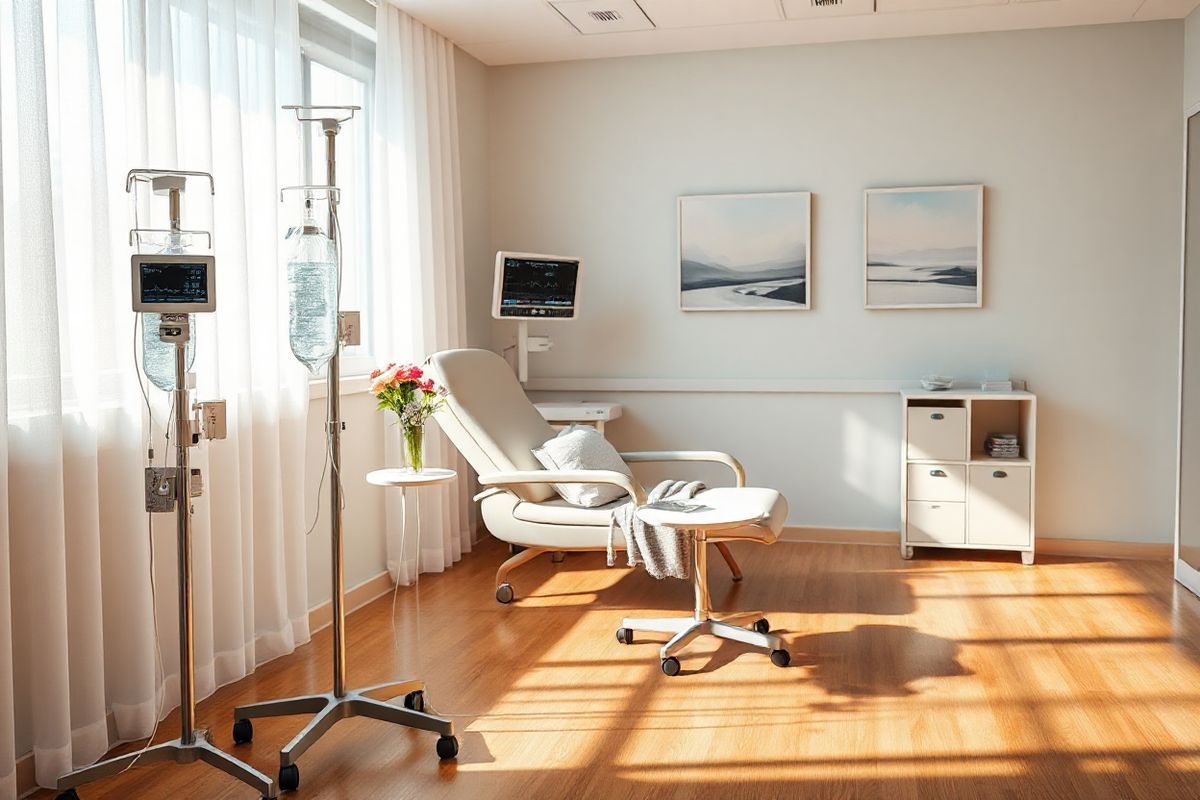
(414,398)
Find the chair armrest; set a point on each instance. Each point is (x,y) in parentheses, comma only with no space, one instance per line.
(712,456)
(514,478)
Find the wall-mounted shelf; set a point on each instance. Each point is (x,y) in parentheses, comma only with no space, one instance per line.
(952,493)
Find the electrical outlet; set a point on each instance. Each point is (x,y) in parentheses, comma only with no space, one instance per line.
(212,419)
(350,328)
(160,489)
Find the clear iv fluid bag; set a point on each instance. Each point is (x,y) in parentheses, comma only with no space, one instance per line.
(158,357)
(312,277)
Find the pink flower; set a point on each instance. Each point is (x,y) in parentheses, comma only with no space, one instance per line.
(409,372)
(426,385)
(384,379)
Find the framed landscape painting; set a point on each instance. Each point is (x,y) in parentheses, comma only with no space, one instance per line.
(745,252)
(924,247)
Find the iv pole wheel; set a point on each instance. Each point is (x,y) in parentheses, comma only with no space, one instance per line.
(447,747)
(243,731)
(289,778)
(415,701)
(504,593)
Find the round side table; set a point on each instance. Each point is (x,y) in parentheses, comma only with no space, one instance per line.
(406,479)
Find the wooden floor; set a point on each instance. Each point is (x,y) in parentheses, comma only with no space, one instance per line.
(950,676)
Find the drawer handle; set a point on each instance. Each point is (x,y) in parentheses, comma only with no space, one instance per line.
(937,416)
(999,474)
(937,473)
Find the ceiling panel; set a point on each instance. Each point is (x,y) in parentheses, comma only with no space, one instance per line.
(895,6)
(1166,9)
(806,9)
(603,16)
(471,21)
(696,13)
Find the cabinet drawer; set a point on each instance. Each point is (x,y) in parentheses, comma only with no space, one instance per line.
(944,482)
(937,434)
(941,523)
(998,506)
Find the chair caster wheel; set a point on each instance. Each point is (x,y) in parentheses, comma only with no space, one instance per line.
(289,778)
(781,658)
(670,666)
(415,701)
(447,747)
(69,794)
(762,626)
(504,593)
(625,635)
(243,731)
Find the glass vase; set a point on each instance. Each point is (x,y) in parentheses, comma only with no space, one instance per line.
(414,447)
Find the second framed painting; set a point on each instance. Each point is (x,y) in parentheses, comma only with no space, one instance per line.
(745,252)
(924,247)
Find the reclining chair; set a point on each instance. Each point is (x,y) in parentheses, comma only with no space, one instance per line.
(495,426)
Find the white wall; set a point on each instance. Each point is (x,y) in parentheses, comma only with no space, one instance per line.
(1075,132)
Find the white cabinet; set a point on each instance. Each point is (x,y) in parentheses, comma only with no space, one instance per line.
(952,493)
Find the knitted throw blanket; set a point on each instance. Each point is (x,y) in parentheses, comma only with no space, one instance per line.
(664,551)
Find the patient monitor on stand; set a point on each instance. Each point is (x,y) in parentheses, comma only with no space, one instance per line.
(541,287)
(530,286)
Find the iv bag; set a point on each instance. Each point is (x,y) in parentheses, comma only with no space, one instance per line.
(158,357)
(312,276)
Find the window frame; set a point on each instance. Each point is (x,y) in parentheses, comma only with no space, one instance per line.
(362,360)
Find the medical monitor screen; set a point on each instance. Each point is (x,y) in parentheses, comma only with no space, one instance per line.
(535,287)
(174,283)
(168,284)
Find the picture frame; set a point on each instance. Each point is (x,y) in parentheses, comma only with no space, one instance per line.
(923,247)
(745,252)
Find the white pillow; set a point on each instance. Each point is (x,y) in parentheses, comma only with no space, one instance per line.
(582,447)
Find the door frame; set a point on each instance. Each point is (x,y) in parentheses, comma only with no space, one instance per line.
(1185,574)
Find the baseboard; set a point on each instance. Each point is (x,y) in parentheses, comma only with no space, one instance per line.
(814,535)
(1098,548)
(321,616)
(1085,548)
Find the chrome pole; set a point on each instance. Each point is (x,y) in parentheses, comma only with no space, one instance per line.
(333,395)
(183,526)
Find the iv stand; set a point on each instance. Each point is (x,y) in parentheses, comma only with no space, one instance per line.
(341,703)
(192,745)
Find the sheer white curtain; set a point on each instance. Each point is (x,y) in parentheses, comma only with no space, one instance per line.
(88,90)
(418,261)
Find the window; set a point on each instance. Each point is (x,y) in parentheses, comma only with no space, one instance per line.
(338,69)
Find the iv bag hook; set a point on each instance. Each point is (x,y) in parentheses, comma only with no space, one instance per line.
(169,182)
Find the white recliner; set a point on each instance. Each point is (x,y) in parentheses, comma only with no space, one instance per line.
(492,422)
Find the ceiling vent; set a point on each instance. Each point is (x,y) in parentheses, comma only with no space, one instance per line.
(603,16)
(807,9)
